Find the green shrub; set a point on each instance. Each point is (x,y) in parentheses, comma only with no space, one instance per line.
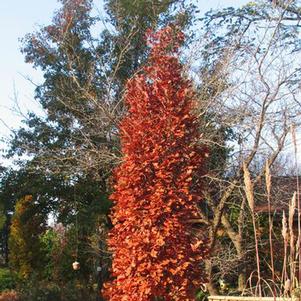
(201,295)
(7,280)
(35,290)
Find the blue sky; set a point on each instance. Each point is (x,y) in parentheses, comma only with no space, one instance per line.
(18,17)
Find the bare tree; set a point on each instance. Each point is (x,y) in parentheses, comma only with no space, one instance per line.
(250,88)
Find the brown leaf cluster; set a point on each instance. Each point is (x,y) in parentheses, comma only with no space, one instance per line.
(155,254)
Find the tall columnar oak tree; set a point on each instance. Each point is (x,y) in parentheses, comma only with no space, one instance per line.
(155,254)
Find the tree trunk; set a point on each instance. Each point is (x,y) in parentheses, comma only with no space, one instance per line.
(236,238)
(242,280)
(211,288)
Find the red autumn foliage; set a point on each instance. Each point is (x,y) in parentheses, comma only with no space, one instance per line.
(155,254)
